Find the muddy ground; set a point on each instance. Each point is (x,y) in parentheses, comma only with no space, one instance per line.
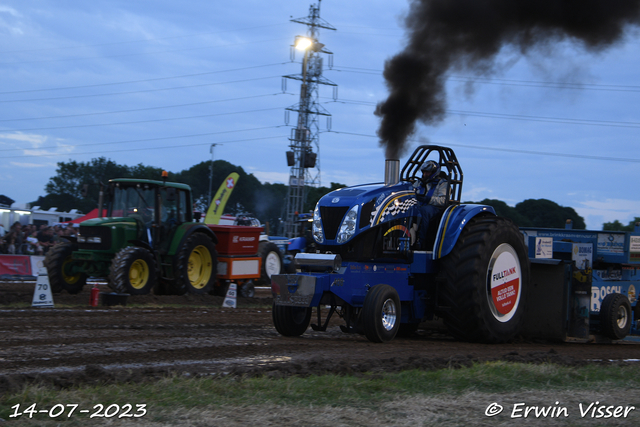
(74,343)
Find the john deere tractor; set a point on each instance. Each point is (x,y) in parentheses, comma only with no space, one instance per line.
(147,240)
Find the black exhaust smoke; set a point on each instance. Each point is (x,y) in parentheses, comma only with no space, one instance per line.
(466,35)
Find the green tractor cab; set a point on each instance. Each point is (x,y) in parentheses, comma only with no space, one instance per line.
(147,239)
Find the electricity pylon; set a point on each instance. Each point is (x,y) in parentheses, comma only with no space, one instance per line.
(301,157)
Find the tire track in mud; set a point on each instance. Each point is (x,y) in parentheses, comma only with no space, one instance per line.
(194,335)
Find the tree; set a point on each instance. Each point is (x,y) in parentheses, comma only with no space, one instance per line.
(64,190)
(506,211)
(141,171)
(617,225)
(536,213)
(64,202)
(242,199)
(548,214)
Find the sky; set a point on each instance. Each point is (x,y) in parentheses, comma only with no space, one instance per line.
(159,82)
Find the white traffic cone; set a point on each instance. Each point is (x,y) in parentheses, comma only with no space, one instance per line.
(42,296)
(232,295)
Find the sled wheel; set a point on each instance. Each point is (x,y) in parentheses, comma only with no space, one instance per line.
(58,262)
(271,261)
(484,282)
(381,313)
(133,271)
(196,265)
(248,290)
(615,316)
(291,321)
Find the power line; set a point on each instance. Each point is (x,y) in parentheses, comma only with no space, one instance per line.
(550,85)
(145,80)
(511,82)
(139,41)
(140,53)
(191,104)
(138,91)
(588,122)
(143,121)
(563,120)
(509,150)
(141,140)
(146,148)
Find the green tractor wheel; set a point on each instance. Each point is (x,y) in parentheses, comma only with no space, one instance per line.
(59,265)
(133,270)
(196,265)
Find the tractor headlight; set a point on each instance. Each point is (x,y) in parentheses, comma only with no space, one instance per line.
(316,228)
(348,226)
(81,239)
(94,240)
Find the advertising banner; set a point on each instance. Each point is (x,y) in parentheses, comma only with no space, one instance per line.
(15,265)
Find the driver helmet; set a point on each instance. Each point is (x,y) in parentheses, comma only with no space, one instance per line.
(430,170)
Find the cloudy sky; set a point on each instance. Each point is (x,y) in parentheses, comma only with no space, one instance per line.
(159,82)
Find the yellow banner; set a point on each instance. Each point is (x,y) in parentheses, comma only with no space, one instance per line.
(220,200)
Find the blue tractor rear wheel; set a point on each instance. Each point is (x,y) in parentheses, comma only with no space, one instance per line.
(484,282)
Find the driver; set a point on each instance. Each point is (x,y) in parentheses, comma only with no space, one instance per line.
(146,214)
(431,193)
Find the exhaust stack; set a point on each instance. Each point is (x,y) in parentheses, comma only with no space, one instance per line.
(391,171)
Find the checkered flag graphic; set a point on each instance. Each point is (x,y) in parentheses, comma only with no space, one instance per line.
(394,209)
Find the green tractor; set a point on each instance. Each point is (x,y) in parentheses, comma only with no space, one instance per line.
(147,240)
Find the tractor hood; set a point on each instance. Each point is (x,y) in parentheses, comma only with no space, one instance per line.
(109,233)
(107,221)
(342,215)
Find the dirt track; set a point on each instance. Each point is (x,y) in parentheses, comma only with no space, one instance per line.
(154,335)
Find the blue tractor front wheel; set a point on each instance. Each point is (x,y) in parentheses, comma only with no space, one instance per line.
(381,313)
(291,321)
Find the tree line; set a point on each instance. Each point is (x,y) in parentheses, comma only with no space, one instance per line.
(252,198)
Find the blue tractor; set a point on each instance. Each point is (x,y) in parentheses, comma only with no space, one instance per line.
(368,270)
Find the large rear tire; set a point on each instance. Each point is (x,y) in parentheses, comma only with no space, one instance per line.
(271,261)
(133,271)
(484,281)
(58,262)
(196,265)
(615,316)
(381,313)
(291,321)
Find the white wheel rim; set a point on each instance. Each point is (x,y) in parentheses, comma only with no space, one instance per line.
(389,314)
(622,317)
(272,264)
(504,283)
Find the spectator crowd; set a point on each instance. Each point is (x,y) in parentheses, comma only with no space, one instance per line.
(29,240)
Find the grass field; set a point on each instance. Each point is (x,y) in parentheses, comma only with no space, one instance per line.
(528,394)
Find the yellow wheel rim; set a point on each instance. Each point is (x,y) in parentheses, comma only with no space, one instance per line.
(200,267)
(138,274)
(69,278)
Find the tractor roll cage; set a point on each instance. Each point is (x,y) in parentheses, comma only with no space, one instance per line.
(448,164)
